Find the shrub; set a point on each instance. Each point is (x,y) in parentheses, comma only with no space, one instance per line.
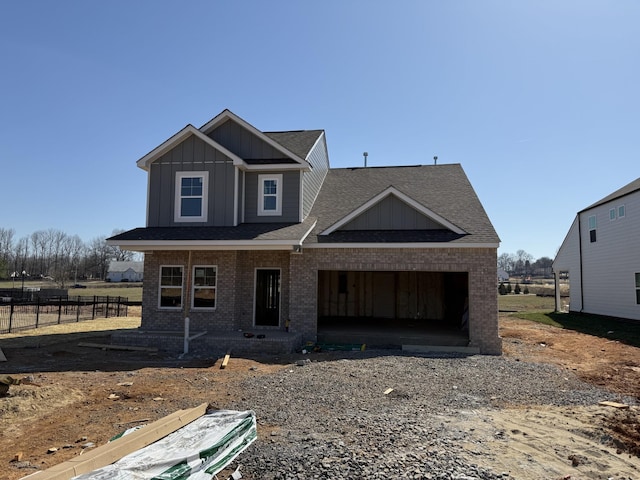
(526,290)
(517,290)
(508,288)
(502,290)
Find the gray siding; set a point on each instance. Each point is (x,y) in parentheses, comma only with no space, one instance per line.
(312,180)
(244,143)
(290,198)
(191,155)
(391,213)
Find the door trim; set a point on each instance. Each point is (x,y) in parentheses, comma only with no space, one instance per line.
(255,296)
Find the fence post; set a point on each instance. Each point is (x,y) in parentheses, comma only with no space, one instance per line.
(59,309)
(78,310)
(37,310)
(118,307)
(93,312)
(106,313)
(11,314)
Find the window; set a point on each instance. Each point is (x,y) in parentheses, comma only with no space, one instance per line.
(612,214)
(191,196)
(638,288)
(170,287)
(621,211)
(204,287)
(270,195)
(592,228)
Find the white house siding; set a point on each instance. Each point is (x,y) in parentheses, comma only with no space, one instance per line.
(568,260)
(609,264)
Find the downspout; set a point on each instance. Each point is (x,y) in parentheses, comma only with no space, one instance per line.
(187,305)
(580,258)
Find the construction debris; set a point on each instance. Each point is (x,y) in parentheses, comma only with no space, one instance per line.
(613,404)
(2,357)
(7,380)
(107,346)
(225,361)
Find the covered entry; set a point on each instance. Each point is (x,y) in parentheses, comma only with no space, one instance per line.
(393,308)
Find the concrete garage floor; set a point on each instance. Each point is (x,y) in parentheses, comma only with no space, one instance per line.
(393,333)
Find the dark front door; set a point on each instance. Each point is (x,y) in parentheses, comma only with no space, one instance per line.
(267,297)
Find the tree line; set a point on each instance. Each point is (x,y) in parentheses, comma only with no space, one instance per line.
(521,264)
(55,255)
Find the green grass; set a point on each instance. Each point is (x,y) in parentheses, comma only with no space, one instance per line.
(540,309)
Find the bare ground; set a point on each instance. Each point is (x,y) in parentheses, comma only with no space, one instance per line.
(89,395)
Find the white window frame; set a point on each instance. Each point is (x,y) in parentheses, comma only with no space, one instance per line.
(161,287)
(622,211)
(194,287)
(177,217)
(278,195)
(612,214)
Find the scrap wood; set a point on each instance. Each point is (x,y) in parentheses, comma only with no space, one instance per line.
(107,346)
(223,365)
(111,452)
(613,404)
(388,391)
(2,357)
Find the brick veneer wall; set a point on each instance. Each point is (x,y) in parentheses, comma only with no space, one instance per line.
(479,263)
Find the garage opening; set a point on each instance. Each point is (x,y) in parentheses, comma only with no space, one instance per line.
(391,309)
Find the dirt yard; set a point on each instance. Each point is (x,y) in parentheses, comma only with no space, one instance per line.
(87,395)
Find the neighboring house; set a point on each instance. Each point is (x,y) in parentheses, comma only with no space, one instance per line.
(125,271)
(502,276)
(252,233)
(601,254)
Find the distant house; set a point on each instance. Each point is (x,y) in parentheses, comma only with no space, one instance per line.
(502,276)
(601,256)
(251,232)
(125,271)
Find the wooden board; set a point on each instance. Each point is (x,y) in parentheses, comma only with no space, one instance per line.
(223,365)
(107,346)
(114,451)
(613,404)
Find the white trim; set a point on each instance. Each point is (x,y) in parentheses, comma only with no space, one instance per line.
(177,216)
(160,307)
(270,167)
(228,114)
(277,177)
(301,198)
(425,245)
(193,288)
(405,198)
(168,144)
(255,286)
(236,179)
(244,196)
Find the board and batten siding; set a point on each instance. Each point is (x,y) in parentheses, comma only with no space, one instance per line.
(191,155)
(609,264)
(290,198)
(244,143)
(391,213)
(312,180)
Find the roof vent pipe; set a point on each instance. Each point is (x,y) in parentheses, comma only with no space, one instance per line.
(435,160)
(365,154)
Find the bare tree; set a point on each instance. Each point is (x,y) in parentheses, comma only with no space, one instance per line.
(6,250)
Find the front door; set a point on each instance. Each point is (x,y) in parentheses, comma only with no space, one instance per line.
(267,297)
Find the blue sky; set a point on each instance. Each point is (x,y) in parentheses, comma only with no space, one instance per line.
(538,100)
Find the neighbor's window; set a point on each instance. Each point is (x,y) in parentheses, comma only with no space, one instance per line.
(592,228)
(204,287)
(270,195)
(638,288)
(170,286)
(191,196)
(621,211)
(612,214)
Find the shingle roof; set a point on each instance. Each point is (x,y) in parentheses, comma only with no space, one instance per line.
(443,189)
(298,141)
(621,192)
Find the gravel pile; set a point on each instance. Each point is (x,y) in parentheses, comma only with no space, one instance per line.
(333,420)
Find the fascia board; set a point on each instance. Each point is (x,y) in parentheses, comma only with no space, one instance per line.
(183,134)
(229,115)
(273,167)
(148,245)
(405,198)
(434,245)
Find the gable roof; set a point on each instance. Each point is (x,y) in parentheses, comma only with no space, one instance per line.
(123,266)
(179,137)
(298,141)
(621,192)
(441,192)
(227,114)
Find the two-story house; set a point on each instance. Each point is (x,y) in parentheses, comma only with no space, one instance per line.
(260,244)
(601,254)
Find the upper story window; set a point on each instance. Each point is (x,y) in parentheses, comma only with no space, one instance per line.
(270,194)
(592,228)
(170,295)
(191,196)
(612,214)
(621,211)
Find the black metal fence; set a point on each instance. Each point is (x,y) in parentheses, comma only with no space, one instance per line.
(17,314)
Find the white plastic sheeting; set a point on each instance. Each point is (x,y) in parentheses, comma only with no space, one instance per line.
(197,451)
